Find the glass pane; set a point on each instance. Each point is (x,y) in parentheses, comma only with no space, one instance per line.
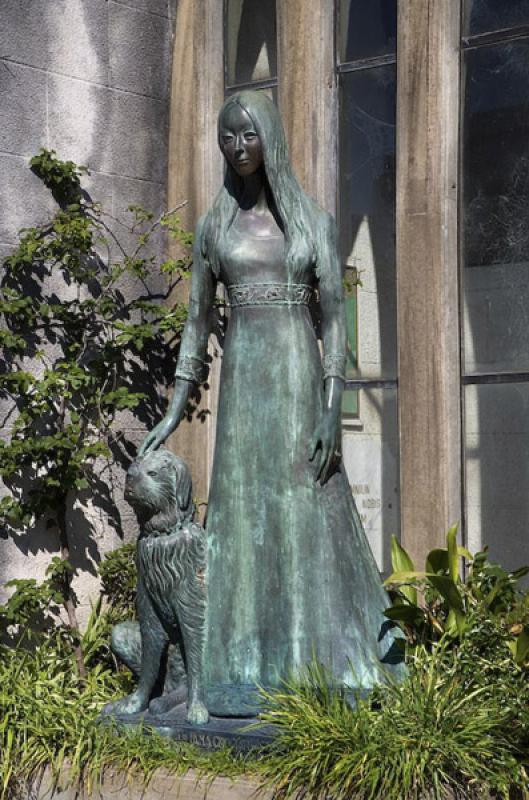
(371,459)
(270,91)
(496,209)
(482,16)
(251,44)
(366,28)
(497,471)
(367,212)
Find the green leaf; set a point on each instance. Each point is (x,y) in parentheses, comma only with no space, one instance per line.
(520,573)
(455,623)
(402,562)
(447,588)
(64,407)
(405,577)
(408,614)
(522,646)
(453,558)
(400,559)
(437,560)
(466,554)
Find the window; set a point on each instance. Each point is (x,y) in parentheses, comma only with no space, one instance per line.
(250,45)
(366,30)
(484,16)
(495,276)
(366,48)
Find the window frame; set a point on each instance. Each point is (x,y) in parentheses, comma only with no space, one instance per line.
(343,68)
(266,83)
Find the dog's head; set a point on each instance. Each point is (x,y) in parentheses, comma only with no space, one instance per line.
(160,483)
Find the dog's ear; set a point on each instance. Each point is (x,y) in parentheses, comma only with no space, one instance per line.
(184,486)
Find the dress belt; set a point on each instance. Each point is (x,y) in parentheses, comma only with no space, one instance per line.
(268,294)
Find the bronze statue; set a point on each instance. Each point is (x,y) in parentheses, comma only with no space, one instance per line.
(171,592)
(290,574)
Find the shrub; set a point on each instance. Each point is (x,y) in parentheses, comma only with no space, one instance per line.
(48,718)
(438,602)
(482,620)
(71,347)
(118,580)
(458,725)
(422,739)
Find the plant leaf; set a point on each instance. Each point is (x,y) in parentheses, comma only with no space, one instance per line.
(402,562)
(453,558)
(447,588)
(522,646)
(405,577)
(437,560)
(408,614)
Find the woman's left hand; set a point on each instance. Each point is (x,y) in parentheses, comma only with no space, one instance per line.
(324,450)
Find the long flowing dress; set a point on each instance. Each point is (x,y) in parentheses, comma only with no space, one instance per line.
(290,573)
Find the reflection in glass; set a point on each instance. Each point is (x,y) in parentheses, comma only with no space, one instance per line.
(371,460)
(251,43)
(483,16)
(496,208)
(367,243)
(367,211)
(367,29)
(497,471)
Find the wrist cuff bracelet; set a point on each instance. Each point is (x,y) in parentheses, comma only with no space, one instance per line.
(190,368)
(334,366)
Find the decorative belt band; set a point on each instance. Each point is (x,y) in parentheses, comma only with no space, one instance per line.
(267,294)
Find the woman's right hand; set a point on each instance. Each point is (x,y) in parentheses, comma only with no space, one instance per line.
(158,435)
(181,393)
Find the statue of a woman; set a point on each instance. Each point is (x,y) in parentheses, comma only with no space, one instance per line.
(290,573)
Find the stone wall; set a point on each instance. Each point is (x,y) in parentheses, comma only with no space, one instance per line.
(163,786)
(90,79)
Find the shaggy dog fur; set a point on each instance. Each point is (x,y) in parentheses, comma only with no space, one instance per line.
(171,597)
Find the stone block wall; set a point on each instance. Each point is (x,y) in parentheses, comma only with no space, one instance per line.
(90,79)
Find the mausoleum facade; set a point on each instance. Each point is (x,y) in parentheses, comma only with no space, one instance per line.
(407,121)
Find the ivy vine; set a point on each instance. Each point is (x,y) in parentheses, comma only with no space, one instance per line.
(76,350)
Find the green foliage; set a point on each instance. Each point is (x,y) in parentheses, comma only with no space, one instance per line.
(35,607)
(421,739)
(71,342)
(458,725)
(482,620)
(62,178)
(67,397)
(450,603)
(48,718)
(441,585)
(118,580)
(34,616)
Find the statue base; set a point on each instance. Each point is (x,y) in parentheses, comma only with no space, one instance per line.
(219,732)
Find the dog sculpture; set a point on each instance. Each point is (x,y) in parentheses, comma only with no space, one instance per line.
(165,647)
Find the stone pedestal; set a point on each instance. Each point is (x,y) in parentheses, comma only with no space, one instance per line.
(239,734)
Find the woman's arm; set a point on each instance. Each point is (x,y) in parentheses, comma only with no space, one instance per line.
(191,366)
(325,445)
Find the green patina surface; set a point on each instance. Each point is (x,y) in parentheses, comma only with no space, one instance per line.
(290,574)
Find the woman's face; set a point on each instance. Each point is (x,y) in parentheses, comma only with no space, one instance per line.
(239,141)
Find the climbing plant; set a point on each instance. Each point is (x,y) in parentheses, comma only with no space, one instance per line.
(77,349)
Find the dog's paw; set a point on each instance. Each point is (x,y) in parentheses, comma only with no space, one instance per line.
(197,713)
(167,702)
(131,704)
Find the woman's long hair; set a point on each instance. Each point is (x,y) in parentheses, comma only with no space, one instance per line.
(298,214)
